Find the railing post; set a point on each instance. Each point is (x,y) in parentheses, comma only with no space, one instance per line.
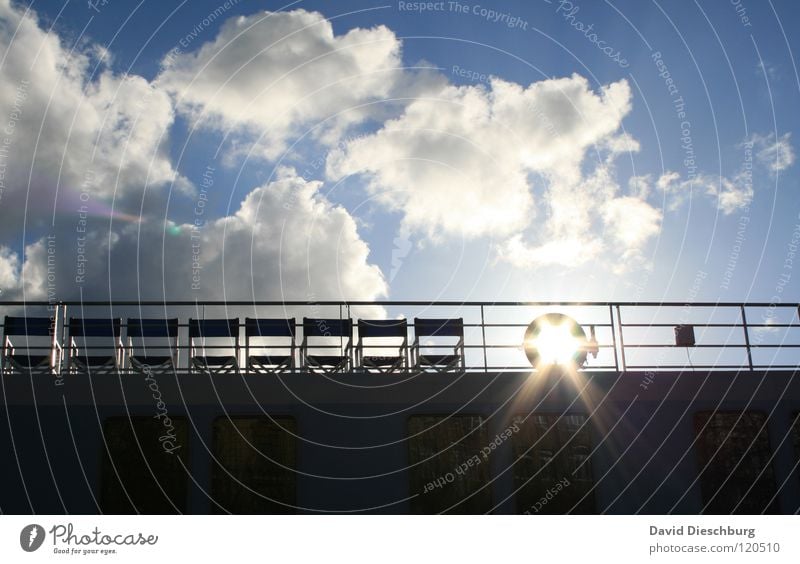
(61,362)
(483,337)
(350,345)
(621,338)
(746,338)
(613,336)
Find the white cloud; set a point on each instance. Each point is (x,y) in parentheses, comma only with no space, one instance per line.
(570,251)
(630,222)
(273,75)
(774,153)
(623,143)
(587,221)
(640,186)
(286,241)
(730,194)
(72,119)
(468,160)
(531,167)
(9,271)
(105,134)
(32,274)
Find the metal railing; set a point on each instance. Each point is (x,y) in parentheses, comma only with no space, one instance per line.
(630,336)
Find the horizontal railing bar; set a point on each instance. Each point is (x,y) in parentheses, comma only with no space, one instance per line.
(442,303)
(707,346)
(728,325)
(688,366)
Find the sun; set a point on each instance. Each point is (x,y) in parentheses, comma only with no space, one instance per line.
(555,339)
(556,344)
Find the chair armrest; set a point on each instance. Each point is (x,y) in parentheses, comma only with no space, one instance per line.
(413,351)
(359,351)
(303,350)
(348,352)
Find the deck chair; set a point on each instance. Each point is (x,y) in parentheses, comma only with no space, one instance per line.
(203,329)
(30,345)
(327,328)
(438,328)
(273,329)
(378,331)
(161,357)
(85,335)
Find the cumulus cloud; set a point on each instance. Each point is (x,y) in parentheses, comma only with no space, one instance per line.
(272,75)
(94,135)
(530,167)
(286,241)
(469,160)
(587,220)
(9,272)
(24,278)
(71,124)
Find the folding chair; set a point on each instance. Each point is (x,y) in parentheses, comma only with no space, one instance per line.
(202,329)
(83,335)
(438,328)
(270,329)
(379,331)
(149,329)
(31,360)
(327,328)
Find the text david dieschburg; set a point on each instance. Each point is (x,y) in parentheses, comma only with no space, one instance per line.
(691,530)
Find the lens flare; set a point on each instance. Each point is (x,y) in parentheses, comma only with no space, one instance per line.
(556,344)
(555,339)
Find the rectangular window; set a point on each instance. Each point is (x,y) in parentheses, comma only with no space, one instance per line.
(254,471)
(447,467)
(552,470)
(734,461)
(144,467)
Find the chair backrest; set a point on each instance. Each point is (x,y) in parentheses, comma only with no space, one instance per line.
(153,327)
(214,328)
(94,327)
(29,326)
(327,327)
(439,327)
(368,328)
(269,327)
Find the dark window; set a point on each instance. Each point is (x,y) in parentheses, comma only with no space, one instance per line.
(139,473)
(254,472)
(447,464)
(734,456)
(552,470)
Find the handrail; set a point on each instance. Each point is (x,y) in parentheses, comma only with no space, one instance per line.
(438,303)
(493,344)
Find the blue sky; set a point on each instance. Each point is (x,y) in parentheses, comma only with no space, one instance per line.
(439,209)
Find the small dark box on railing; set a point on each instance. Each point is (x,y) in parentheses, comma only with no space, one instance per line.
(684,336)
